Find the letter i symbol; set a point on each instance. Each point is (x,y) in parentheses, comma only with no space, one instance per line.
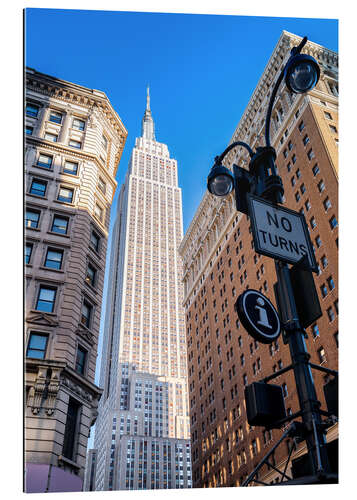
(263,317)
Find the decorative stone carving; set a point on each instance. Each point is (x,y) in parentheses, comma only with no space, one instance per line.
(37,391)
(85,334)
(52,391)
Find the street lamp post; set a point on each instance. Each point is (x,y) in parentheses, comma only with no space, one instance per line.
(301,73)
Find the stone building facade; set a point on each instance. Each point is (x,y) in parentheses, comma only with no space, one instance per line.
(73,144)
(220,263)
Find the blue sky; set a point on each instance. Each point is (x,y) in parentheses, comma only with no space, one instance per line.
(202,70)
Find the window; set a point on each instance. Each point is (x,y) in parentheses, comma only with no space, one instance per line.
(290,145)
(91,275)
(297,196)
(333,129)
(94,240)
(45,161)
(293,181)
(288,166)
(28,252)
(60,224)
(322,355)
(293,158)
(318,241)
(37,345)
(335,336)
(333,222)
(32,218)
(38,187)
(310,154)
(305,140)
(321,186)
(70,167)
(324,261)
(330,283)
(285,389)
(32,110)
(328,115)
(65,195)
(98,212)
(327,203)
(307,205)
(51,137)
(245,379)
(46,299)
(285,153)
(70,429)
(302,188)
(315,169)
(86,313)
(298,173)
(81,360)
(75,144)
(301,126)
(330,314)
(313,222)
(54,258)
(55,117)
(28,130)
(78,124)
(315,331)
(323,289)
(104,142)
(242,359)
(102,185)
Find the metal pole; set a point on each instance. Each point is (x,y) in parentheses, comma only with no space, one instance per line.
(309,404)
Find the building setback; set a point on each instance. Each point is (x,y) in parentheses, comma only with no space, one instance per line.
(219,263)
(144,334)
(74,142)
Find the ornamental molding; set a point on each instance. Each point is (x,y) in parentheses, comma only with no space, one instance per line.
(41,319)
(43,394)
(83,332)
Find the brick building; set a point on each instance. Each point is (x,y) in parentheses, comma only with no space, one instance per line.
(220,263)
(74,142)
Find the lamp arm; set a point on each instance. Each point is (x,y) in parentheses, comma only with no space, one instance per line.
(293,52)
(220,158)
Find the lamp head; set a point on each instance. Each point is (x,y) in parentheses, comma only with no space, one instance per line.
(220,180)
(302,73)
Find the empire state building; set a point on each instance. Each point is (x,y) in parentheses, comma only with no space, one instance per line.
(143,412)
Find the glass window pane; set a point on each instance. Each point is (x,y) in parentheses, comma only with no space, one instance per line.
(94,240)
(60,225)
(54,259)
(46,299)
(32,218)
(32,110)
(28,130)
(38,187)
(44,161)
(28,252)
(65,195)
(78,124)
(74,144)
(51,137)
(71,167)
(55,117)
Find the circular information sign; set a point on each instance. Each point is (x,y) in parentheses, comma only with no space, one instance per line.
(258,316)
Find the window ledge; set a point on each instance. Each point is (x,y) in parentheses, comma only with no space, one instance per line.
(44,268)
(65,203)
(33,228)
(67,461)
(37,196)
(42,168)
(58,234)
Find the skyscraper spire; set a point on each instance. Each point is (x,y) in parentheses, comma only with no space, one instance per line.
(147,124)
(148,98)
